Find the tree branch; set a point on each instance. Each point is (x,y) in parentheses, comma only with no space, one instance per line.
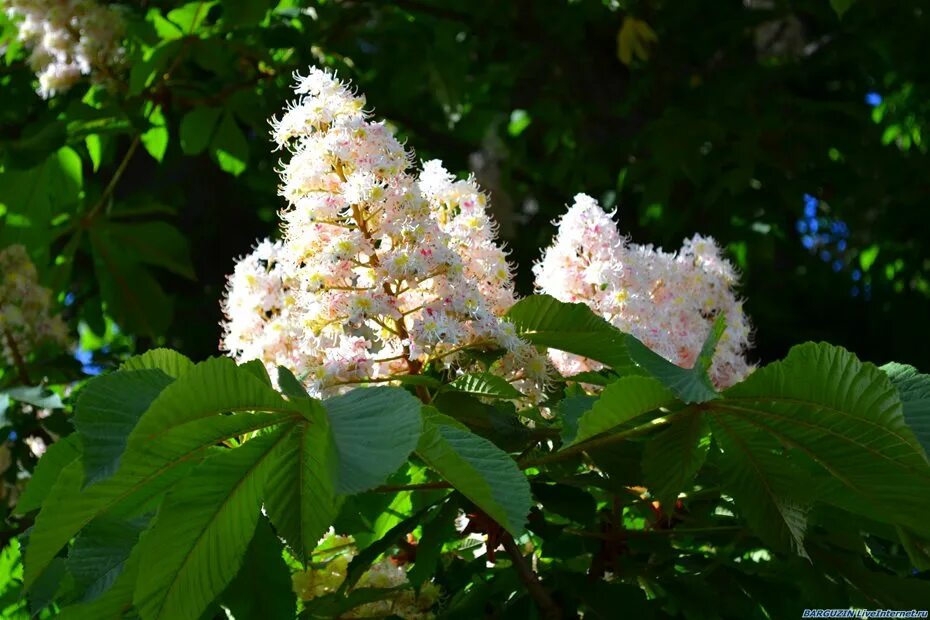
(547,606)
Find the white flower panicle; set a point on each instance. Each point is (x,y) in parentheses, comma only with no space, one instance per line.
(26,318)
(385,273)
(669,301)
(68,39)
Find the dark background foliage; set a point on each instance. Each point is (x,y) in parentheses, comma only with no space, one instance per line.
(739,110)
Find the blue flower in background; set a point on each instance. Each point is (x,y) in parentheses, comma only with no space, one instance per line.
(828,238)
(86,358)
(873,99)
(810,206)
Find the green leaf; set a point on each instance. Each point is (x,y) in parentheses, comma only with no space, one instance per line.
(203,530)
(169,362)
(841,6)
(477,468)
(70,175)
(155,139)
(115,602)
(842,420)
(436,532)
(262,590)
(197,128)
(257,368)
(36,396)
(179,429)
(143,74)
(917,548)
(236,14)
(47,586)
(99,554)
(570,410)
(300,495)
(764,484)
(33,200)
(691,385)
(210,388)
(229,146)
(147,469)
(497,422)
(106,413)
(131,294)
(914,391)
(674,456)
(58,456)
(573,328)
(290,385)
(519,121)
(867,256)
(94,145)
(620,402)
(155,243)
(485,384)
(190,17)
(375,430)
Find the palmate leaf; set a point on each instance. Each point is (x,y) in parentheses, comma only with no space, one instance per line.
(212,494)
(212,387)
(477,468)
(841,421)
(203,530)
(147,470)
(175,433)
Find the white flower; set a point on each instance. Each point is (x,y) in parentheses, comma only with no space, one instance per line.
(26,317)
(69,39)
(388,273)
(667,300)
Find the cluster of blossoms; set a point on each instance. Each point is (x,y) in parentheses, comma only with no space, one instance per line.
(68,39)
(669,301)
(26,318)
(380,272)
(326,577)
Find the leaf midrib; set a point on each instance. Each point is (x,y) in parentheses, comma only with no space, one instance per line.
(720,406)
(141,483)
(222,505)
(759,474)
